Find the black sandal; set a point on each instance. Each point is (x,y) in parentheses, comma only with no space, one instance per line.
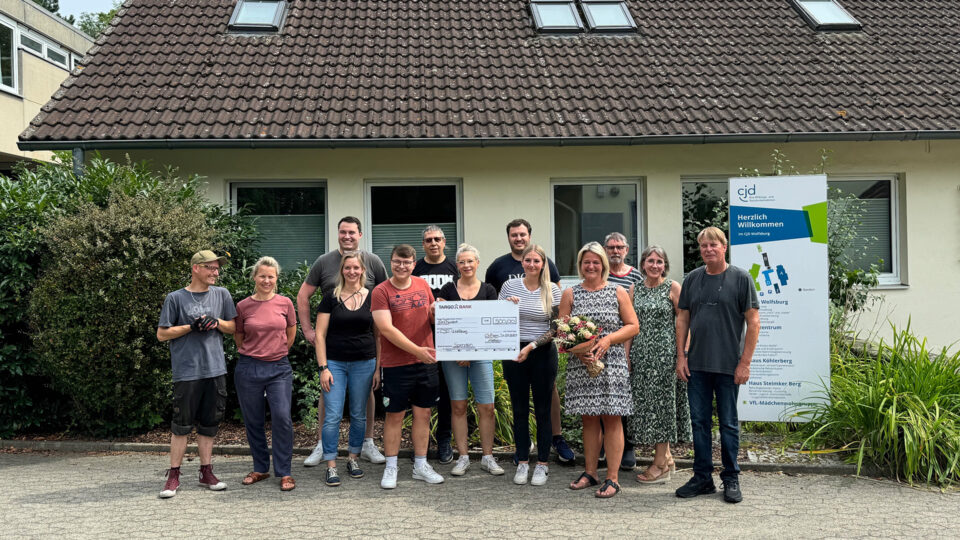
(593,481)
(607,483)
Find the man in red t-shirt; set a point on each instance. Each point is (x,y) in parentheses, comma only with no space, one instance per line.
(402,310)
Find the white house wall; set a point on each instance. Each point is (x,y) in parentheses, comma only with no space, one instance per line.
(499,184)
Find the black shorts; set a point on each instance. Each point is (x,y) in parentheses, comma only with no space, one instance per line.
(199,403)
(416,384)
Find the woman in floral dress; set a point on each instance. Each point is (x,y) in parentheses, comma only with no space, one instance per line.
(661,413)
(603,399)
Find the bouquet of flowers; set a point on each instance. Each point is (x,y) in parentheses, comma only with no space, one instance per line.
(576,334)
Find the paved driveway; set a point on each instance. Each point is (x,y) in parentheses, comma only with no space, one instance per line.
(115,496)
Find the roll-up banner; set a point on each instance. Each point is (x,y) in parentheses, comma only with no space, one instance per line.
(778,233)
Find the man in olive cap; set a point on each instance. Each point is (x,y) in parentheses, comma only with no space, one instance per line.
(193,320)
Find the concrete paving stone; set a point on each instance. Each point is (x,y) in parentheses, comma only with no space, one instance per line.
(115,496)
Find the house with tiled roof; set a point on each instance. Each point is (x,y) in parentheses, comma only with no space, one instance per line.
(582,116)
(37,52)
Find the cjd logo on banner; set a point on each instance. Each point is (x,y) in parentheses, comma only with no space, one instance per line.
(778,233)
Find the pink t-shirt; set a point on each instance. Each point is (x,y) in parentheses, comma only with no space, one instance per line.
(410,311)
(264,324)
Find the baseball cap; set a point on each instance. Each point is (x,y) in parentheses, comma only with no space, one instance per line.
(206,256)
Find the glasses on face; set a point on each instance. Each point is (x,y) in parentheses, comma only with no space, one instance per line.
(401,263)
(616,248)
(211,268)
(433,240)
(463,262)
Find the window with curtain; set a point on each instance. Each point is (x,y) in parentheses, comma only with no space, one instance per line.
(290,218)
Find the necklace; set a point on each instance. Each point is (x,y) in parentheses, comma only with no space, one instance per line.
(355,296)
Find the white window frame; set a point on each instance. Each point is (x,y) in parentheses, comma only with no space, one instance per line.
(894,278)
(370,183)
(819,26)
(637,181)
(14,57)
(233,185)
(66,54)
(886,280)
(46,46)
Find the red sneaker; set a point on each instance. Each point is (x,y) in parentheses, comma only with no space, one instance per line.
(172,485)
(208,479)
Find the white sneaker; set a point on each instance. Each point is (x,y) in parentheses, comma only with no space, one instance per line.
(370,453)
(521,477)
(489,464)
(315,457)
(426,473)
(389,480)
(461,466)
(540,473)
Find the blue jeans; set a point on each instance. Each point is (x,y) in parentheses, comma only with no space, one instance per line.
(353,378)
(480,374)
(701,390)
(253,379)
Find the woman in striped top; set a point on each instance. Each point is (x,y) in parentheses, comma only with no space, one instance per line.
(534,369)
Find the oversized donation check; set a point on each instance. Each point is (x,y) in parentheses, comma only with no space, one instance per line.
(477,330)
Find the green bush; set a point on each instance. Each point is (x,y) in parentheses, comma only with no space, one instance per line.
(40,194)
(896,409)
(94,308)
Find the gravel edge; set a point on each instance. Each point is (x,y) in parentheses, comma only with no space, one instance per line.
(842,469)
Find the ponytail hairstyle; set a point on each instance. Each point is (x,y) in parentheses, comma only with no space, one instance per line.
(546,288)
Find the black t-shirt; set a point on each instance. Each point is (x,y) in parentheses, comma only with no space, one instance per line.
(350,333)
(436,275)
(506,267)
(449,292)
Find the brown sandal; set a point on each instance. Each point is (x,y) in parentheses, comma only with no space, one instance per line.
(287,483)
(254,477)
(647,477)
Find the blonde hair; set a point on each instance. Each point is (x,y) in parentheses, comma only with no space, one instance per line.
(596,249)
(712,233)
(363,271)
(269,262)
(546,289)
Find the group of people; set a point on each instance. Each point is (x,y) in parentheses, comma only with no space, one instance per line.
(667,351)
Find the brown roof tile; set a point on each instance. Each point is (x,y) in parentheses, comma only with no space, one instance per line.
(382,69)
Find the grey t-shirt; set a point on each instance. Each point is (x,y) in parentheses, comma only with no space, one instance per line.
(717,304)
(323,273)
(197,355)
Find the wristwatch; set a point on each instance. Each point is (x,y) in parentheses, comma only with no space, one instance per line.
(323,368)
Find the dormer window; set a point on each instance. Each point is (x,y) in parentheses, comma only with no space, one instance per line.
(257,16)
(606,16)
(555,16)
(826,15)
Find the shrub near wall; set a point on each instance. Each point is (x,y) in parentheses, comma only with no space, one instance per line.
(40,194)
(94,309)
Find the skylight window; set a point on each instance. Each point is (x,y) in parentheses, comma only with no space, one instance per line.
(258,15)
(606,16)
(555,16)
(826,15)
